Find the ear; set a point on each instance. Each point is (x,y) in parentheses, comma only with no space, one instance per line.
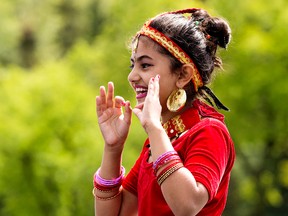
(185,75)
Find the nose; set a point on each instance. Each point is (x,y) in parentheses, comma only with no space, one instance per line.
(133,76)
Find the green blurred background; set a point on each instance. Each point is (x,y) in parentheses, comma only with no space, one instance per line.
(54,55)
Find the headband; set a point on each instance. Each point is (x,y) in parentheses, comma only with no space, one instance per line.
(172,47)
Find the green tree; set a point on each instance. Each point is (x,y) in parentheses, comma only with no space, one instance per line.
(256,88)
(54,55)
(48,128)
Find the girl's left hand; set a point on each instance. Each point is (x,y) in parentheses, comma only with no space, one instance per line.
(149,112)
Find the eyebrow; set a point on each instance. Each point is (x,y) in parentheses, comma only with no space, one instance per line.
(140,58)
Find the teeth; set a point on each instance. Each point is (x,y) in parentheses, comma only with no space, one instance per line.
(141,90)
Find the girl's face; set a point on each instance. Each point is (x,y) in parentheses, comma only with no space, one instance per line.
(147,62)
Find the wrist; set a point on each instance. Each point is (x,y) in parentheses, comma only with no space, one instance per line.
(114,149)
(112,156)
(153,127)
(111,162)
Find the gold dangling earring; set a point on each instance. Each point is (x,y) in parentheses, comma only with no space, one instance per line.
(176,100)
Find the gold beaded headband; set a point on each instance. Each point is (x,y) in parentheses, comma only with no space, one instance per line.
(172,47)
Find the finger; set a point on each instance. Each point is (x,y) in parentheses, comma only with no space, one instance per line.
(98,106)
(119,102)
(151,86)
(128,112)
(110,95)
(138,112)
(156,85)
(102,101)
(138,109)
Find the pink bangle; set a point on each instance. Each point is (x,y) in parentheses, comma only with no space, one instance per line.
(98,180)
(165,161)
(164,158)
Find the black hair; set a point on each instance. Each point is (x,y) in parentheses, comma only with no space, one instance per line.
(199,36)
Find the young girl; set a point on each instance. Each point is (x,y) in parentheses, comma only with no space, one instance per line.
(185,164)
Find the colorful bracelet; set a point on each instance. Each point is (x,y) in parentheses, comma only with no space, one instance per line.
(166,161)
(168,166)
(105,198)
(163,157)
(170,170)
(108,183)
(105,189)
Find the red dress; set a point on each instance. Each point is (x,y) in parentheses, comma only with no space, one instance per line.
(206,150)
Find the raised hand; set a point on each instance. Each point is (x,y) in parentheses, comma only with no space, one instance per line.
(149,113)
(113,123)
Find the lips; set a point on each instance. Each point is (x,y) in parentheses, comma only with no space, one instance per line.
(141,91)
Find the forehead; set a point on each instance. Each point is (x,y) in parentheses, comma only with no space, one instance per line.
(145,45)
(148,42)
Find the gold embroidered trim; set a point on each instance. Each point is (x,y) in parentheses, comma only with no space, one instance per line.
(176,124)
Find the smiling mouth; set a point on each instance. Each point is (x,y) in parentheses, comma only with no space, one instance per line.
(141,92)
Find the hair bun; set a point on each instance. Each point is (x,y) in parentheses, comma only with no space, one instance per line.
(220,30)
(217,28)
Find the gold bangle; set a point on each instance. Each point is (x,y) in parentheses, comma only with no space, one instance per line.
(105,198)
(165,175)
(107,191)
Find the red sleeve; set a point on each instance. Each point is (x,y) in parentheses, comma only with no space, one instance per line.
(207,153)
(130,182)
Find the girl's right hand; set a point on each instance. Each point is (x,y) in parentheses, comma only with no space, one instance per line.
(113,123)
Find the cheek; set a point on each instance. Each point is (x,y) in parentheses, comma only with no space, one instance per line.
(164,93)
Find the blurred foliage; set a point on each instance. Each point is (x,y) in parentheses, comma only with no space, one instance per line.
(54,55)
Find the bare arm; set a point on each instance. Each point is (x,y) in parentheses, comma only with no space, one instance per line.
(114,126)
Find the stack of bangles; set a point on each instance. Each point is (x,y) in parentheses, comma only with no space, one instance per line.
(108,186)
(165,165)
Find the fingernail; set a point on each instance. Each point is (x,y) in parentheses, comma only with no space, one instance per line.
(153,79)
(158,76)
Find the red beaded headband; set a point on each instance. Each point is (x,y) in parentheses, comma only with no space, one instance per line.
(172,47)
